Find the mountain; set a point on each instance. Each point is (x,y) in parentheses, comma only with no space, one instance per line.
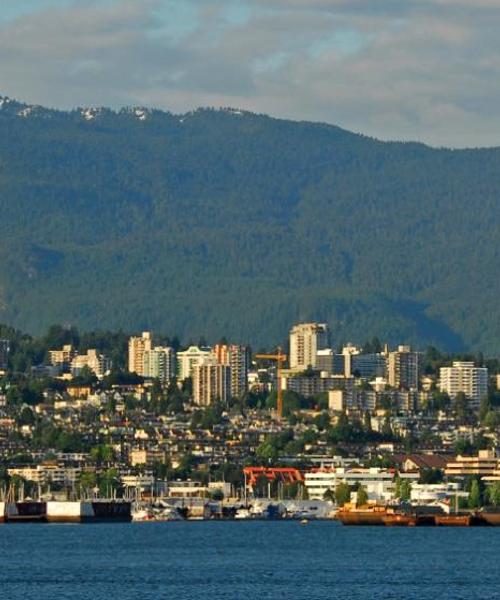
(223,222)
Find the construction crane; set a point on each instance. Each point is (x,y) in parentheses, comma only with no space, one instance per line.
(279,358)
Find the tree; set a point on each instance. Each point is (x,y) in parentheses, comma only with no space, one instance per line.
(474,495)
(109,483)
(322,421)
(217,495)
(491,420)
(431,476)
(86,377)
(27,417)
(267,452)
(362,496)
(484,408)
(460,407)
(405,493)
(342,494)
(101,454)
(367,421)
(493,493)
(87,482)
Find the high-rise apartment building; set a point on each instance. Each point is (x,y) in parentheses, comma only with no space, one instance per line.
(238,359)
(4,353)
(305,341)
(188,359)
(403,368)
(159,363)
(464,377)
(211,382)
(136,348)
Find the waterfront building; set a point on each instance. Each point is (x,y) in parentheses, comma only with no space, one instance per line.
(93,360)
(282,475)
(431,493)
(188,359)
(47,473)
(403,368)
(306,339)
(464,377)
(136,348)
(159,363)
(378,483)
(211,382)
(485,464)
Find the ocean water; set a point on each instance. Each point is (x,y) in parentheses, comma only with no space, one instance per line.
(233,560)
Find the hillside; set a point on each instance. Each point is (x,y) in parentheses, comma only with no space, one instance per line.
(228,223)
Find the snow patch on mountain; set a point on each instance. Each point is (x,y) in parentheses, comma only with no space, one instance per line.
(90,113)
(26,112)
(4,100)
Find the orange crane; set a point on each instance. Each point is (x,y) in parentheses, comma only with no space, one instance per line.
(280,358)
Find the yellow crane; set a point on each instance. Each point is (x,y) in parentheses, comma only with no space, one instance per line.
(280,358)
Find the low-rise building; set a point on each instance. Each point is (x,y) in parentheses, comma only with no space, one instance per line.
(93,360)
(485,464)
(378,483)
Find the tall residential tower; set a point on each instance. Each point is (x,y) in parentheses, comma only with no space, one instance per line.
(305,341)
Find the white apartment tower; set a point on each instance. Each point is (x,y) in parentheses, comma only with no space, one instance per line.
(136,348)
(305,341)
(464,377)
(159,363)
(188,359)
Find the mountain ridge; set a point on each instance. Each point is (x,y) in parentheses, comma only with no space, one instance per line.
(240,224)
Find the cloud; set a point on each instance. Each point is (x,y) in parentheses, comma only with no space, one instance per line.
(412,69)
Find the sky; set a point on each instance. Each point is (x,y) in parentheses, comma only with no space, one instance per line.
(426,70)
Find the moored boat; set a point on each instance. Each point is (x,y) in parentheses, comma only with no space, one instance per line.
(368,515)
(453,520)
(490,517)
(399,520)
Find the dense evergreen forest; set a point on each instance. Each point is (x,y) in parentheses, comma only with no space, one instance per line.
(218,222)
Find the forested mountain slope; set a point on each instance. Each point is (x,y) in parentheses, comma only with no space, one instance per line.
(227,223)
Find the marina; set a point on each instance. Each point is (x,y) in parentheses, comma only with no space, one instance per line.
(261,509)
(251,559)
